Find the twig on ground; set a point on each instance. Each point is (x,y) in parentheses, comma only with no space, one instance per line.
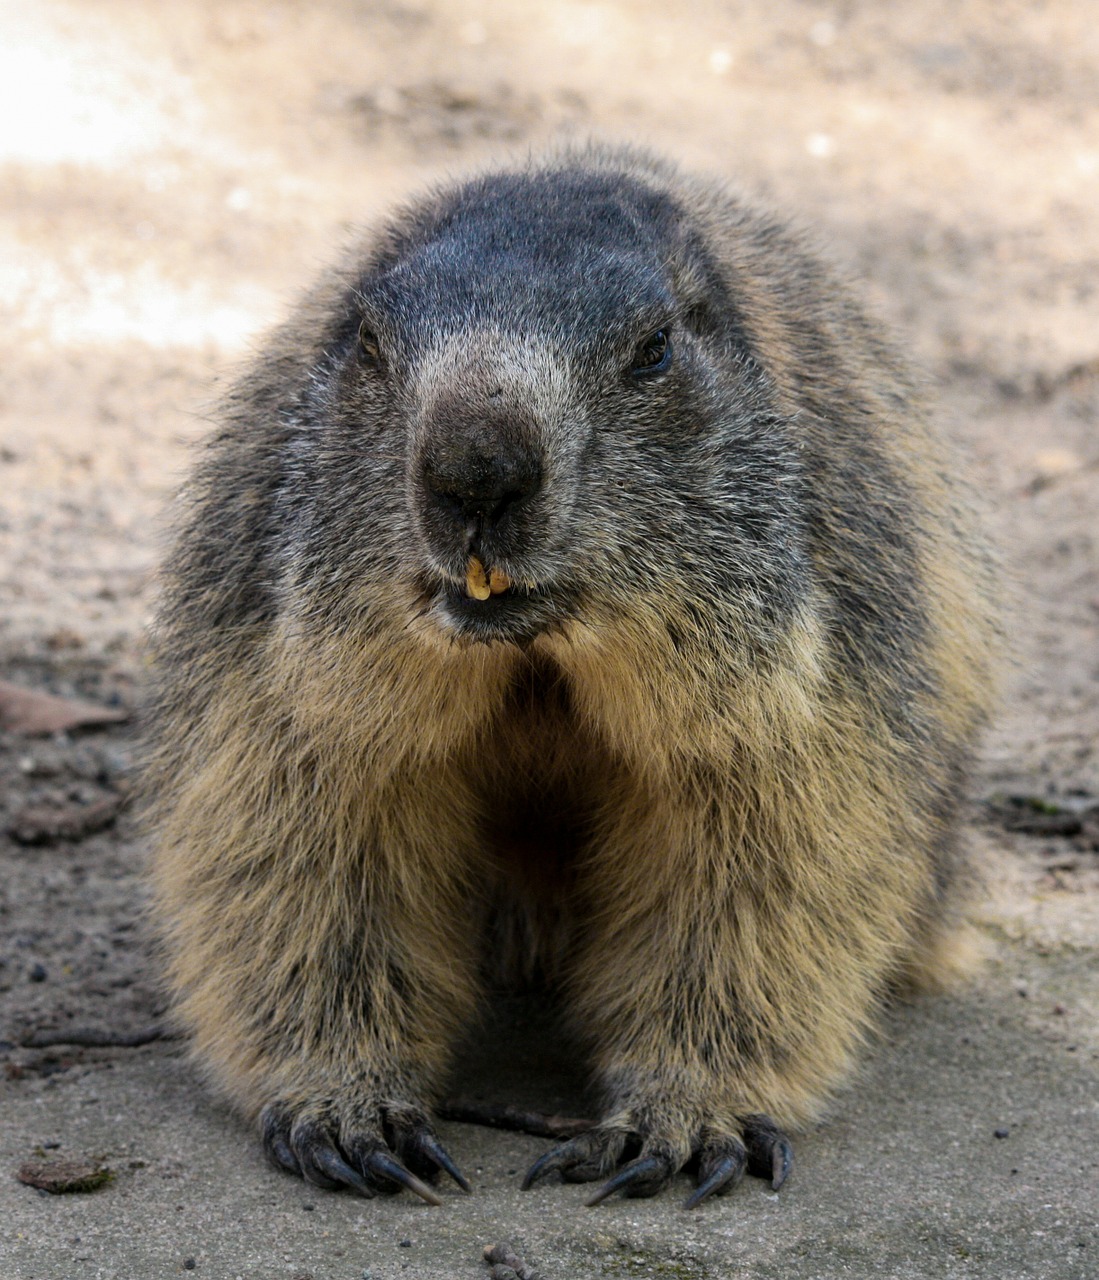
(97,1038)
(496,1116)
(42,824)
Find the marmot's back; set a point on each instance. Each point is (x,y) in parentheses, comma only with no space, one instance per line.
(579,547)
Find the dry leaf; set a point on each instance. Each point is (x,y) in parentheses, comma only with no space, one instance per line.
(36,714)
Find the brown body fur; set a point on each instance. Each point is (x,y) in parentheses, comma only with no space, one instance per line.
(722,853)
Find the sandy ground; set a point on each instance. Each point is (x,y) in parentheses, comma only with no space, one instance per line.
(172,174)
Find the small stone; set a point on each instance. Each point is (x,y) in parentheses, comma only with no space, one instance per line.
(405,1244)
(188,1264)
(309,1207)
(37,973)
(1001,1133)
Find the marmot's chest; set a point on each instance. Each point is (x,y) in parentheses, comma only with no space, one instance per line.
(542,773)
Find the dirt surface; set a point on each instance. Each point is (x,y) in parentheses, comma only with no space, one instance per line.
(172,174)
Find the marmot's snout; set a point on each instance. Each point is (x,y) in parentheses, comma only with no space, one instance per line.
(480,473)
(481,496)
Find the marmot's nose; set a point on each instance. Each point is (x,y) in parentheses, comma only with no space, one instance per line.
(475,490)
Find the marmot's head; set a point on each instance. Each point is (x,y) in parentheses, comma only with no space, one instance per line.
(539,404)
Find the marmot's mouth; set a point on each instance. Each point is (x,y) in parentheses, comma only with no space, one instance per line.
(489,606)
(482,583)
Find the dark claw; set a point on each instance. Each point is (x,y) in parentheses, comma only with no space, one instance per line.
(279,1151)
(644,1177)
(275,1133)
(383,1165)
(782,1161)
(556,1158)
(721,1169)
(318,1160)
(585,1158)
(334,1166)
(770,1154)
(429,1145)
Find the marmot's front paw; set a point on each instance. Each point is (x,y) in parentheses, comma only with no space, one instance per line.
(374,1153)
(760,1148)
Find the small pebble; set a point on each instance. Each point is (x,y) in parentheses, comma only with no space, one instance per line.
(188,1264)
(1000,1133)
(405,1244)
(309,1207)
(37,973)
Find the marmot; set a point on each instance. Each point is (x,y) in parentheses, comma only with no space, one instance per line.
(574,589)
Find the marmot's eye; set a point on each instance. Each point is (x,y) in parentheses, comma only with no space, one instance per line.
(654,354)
(369,345)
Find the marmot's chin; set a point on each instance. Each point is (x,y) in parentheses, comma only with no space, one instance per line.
(515,615)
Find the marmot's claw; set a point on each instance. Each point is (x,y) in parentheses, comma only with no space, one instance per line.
(427,1145)
(644,1176)
(585,1158)
(721,1166)
(555,1158)
(316,1156)
(278,1149)
(723,1160)
(309,1149)
(377,1164)
(594,1154)
(770,1154)
(337,1172)
(274,1123)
